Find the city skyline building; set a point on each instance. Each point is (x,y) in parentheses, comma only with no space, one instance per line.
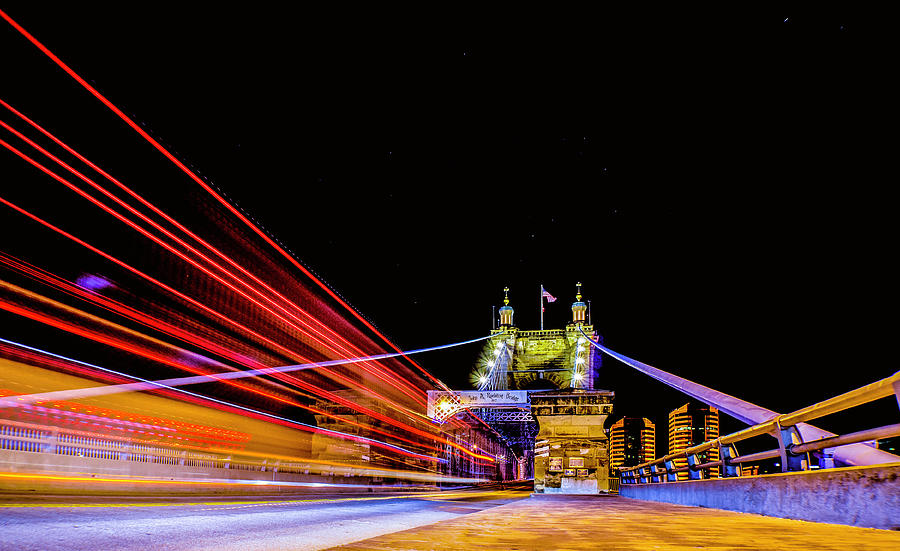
(693,424)
(632,441)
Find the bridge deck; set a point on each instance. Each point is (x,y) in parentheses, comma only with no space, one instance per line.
(618,523)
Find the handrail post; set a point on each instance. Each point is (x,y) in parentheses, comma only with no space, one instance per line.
(670,476)
(52,441)
(725,454)
(896,386)
(644,477)
(787,437)
(694,473)
(654,472)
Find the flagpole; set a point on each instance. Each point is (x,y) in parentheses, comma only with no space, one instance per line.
(541,298)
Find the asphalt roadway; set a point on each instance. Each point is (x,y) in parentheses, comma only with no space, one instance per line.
(304,522)
(500,519)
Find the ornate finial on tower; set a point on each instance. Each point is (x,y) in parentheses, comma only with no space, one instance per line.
(506,311)
(578,307)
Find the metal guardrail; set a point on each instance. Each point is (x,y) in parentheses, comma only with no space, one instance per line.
(791,450)
(613,485)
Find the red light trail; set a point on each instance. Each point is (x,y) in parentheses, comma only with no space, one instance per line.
(206,187)
(165,360)
(331,344)
(52,397)
(160,358)
(235,310)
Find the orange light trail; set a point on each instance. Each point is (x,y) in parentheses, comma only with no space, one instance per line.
(248,287)
(208,188)
(140,351)
(100,338)
(93,335)
(168,247)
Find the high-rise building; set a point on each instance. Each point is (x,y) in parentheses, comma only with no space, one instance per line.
(693,424)
(632,441)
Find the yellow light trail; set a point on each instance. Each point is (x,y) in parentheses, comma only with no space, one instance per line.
(427,496)
(197,504)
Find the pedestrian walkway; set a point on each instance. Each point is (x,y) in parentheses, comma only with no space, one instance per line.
(612,523)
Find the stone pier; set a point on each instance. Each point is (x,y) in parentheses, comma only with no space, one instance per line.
(571,448)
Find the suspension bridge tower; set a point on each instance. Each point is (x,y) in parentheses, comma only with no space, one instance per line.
(541,359)
(561,434)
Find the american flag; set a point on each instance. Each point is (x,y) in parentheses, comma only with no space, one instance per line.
(548,296)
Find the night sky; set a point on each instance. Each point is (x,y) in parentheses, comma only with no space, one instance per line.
(719,182)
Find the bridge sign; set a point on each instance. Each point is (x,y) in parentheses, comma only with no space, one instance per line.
(442,404)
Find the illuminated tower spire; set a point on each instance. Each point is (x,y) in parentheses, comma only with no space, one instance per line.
(578,307)
(506,311)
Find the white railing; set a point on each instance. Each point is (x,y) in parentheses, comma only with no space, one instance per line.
(791,450)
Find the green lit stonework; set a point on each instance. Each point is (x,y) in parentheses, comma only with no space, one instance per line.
(541,359)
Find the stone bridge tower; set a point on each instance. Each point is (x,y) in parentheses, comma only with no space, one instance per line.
(564,442)
(542,359)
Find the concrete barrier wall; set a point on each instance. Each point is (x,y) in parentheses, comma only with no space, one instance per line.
(856,496)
